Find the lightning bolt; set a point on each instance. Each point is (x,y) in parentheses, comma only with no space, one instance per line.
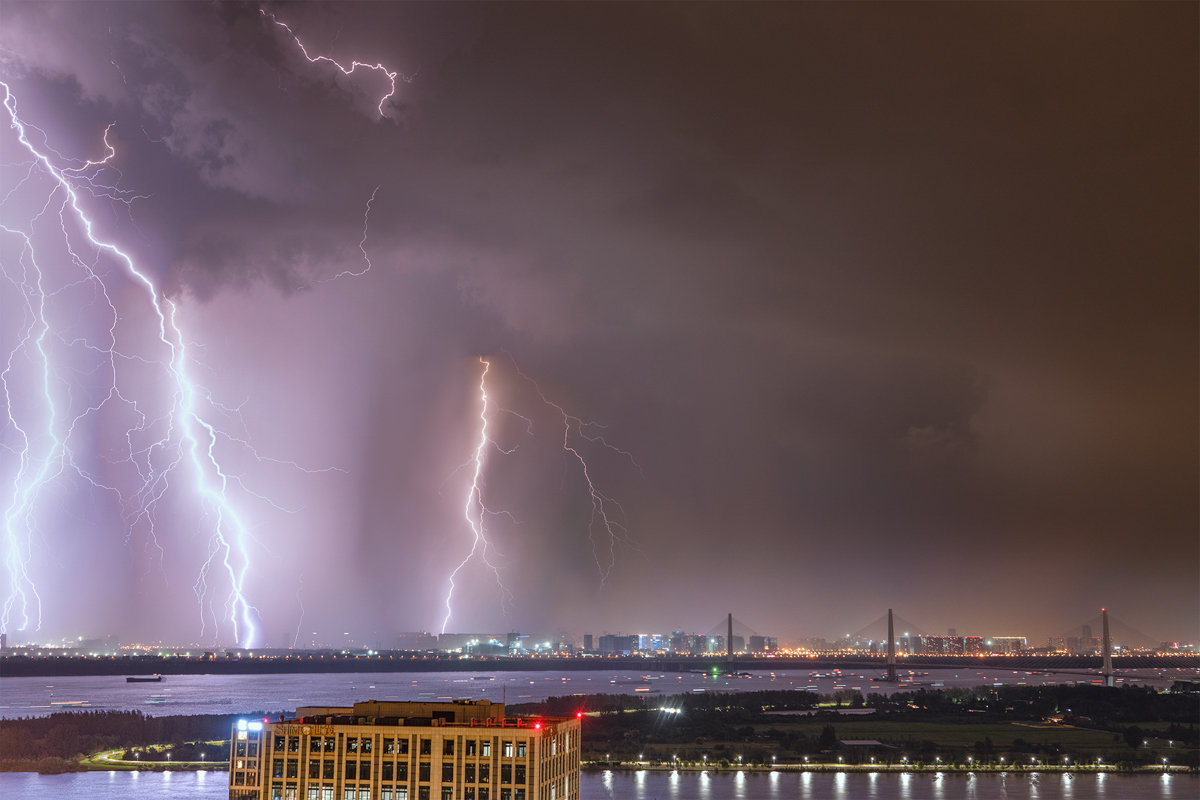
(606,527)
(475,511)
(41,436)
(607,515)
(362,245)
(391,74)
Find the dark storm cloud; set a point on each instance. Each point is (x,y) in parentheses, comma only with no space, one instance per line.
(895,297)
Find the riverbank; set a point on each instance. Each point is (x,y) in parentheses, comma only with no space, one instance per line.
(110,761)
(995,769)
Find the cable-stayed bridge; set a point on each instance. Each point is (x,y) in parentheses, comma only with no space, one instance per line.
(1094,648)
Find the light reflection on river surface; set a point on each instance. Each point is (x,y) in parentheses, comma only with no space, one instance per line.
(673,786)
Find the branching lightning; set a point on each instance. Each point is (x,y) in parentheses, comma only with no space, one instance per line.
(606,527)
(391,74)
(172,439)
(607,515)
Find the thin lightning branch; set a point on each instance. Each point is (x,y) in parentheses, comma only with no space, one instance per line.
(391,74)
(607,515)
(362,245)
(299,622)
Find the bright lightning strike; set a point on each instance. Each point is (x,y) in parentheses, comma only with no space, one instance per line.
(475,512)
(391,74)
(606,526)
(63,273)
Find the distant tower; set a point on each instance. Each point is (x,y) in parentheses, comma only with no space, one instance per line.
(729,639)
(891,654)
(1107,670)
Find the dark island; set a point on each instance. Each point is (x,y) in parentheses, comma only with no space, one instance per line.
(1074,727)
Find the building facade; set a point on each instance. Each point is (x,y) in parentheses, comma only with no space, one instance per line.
(463,750)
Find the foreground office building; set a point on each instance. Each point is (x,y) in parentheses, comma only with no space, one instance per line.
(464,750)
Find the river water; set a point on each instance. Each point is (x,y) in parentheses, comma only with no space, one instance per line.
(238,694)
(213,785)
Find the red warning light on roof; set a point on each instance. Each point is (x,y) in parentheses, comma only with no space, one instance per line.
(537,726)
(578,715)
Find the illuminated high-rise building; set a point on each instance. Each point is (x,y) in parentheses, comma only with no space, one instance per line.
(462,750)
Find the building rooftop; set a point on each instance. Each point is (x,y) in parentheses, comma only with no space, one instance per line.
(472,713)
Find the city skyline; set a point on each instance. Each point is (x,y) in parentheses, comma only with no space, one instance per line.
(386,317)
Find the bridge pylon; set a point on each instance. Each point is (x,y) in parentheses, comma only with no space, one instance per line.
(891,651)
(1106,643)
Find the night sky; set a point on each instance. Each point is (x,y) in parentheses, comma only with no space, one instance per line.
(878,305)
